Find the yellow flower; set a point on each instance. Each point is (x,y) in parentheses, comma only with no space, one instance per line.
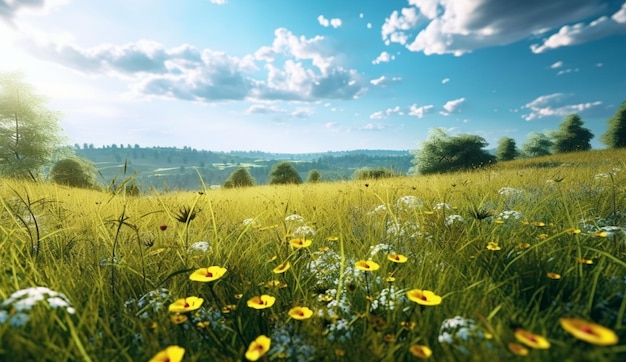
(300,313)
(572,231)
(584,261)
(523,246)
(408,325)
(390,279)
(599,234)
(518,349)
(258,348)
(332,238)
(554,276)
(323,249)
(589,332)
(531,340)
(300,243)
(397,258)
(366,265)
(539,223)
(261,302)
(423,297)
(542,236)
(178,318)
(493,246)
(271,259)
(170,354)
(420,351)
(208,274)
(185,305)
(283,267)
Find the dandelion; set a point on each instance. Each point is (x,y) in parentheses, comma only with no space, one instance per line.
(366,265)
(493,246)
(531,340)
(185,305)
(258,348)
(300,313)
(261,302)
(518,349)
(170,354)
(420,351)
(271,259)
(300,243)
(209,274)
(554,276)
(589,332)
(397,258)
(283,267)
(423,297)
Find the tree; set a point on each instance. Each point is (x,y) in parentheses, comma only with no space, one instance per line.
(443,153)
(76,172)
(29,132)
(314,176)
(615,135)
(284,173)
(537,144)
(367,173)
(507,150)
(572,136)
(239,178)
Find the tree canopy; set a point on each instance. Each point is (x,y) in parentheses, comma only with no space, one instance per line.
(537,144)
(239,178)
(284,173)
(76,172)
(572,136)
(314,176)
(615,135)
(507,149)
(443,153)
(29,132)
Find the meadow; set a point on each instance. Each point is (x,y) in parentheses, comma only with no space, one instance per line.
(523,260)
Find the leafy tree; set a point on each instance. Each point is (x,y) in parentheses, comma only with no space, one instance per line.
(239,178)
(29,132)
(443,153)
(615,135)
(372,173)
(572,136)
(507,149)
(76,172)
(537,144)
(284,173)
(314,176)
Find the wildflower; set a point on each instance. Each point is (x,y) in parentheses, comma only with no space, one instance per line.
(584,261)
(539,223)
(178,318)
(366,265)
(332,238)
(203,324)
(599,234)
(423,297)
(323,249)
(408,325)
(390,279)
(420,351)
(209,274)
(542,236)
(185,305)
(170,354)
(163,227)
(523,246)
(589,332)
(271,259)
(397,258)
(572,231)
(199,247)
(452,219)
(294,217)
(493,246)
(389,338)
(531,340)
(258,348)
(238,296)
(518,349)
(300,243)
(340,352)
(554,276)
(300,313)
(261,302)
(283,267)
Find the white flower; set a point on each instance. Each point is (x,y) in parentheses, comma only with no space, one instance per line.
(442,205)
(302,231)
(452,219)
(248,221)
(509,191)
(199,247)
(409,201)
(601,176)
(295,218)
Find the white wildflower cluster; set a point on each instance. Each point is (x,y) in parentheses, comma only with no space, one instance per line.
(290,345)
(409,202)
(303,231)
(403,228)
(249,221)
(509,215)
(458,332)
(340,330)
(199,247)
(380,209)
(16,309)
(454,220)
(294,218)
(386,248)
(509,191)
(215,317)
(387,299)
(110,261)
(150,303)
(601,176)
(442,206)
(604,225)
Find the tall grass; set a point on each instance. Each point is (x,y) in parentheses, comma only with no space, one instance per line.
(122,260)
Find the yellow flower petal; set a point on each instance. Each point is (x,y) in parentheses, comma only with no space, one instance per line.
(589,332)
(397,258)
(518,349)
(258,348)
(185,305)
(531,340)
(170,354)
(300,243)
(366,265)
(261,302)
(420,351)
(423,297)
(493,246)
(300,313)
(208,274)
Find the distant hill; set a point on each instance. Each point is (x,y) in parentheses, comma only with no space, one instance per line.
(171,168)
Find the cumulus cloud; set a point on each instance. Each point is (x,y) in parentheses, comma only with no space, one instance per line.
(377,115)
(383,57)
(264,109)
(384,81)
(554,104)
(218,2)
(452,106)
(9,8)
(419,112)
(461,26)
(334,22)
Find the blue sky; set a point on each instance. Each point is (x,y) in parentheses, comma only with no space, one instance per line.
(309,76)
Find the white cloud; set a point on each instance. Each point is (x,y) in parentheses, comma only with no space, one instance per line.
(377,115)
(302,113)
(569,70)
(361,15)
(218,2)
(419,112)
(264,109)
(372,127)
(556,65)
(384,81)
(10,8)
(452,106)
(395,25)
(383,57)
(334,22)
(554,105)
(445,80)
(369,25)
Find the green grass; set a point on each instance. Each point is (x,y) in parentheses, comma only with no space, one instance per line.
(106,251)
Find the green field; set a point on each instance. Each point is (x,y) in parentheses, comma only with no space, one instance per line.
(514,251)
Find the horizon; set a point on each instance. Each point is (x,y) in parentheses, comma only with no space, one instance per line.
(235,76)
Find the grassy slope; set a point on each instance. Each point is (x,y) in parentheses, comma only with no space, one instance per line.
(498,290)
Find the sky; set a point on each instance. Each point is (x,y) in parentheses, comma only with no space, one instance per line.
(293,76)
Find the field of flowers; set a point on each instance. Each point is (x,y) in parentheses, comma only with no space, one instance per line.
(523,260)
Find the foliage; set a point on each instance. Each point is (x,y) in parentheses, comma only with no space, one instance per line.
(239,178)
(76,172)
(284,173)
(572,136)
(537,144)
(373,173)
(29,132)
(507,150)
(443,153)
(314,176)
(615,135)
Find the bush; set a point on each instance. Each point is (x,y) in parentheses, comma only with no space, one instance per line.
(314,176)
(75,172)
(284,173)
(373,173)
(239,178)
